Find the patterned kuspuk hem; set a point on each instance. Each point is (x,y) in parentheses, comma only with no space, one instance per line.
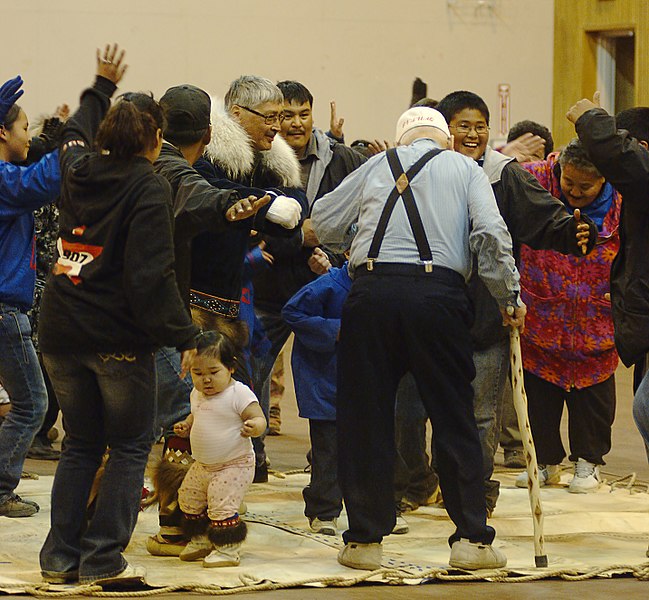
(214,304)
(178,457)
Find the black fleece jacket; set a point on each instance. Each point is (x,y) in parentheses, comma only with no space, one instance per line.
(113,286)
(625,164)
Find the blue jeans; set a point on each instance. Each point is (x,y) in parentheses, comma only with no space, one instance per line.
(510,435)
(107,400)
(21,376)
(491,367)
(172,398)
(641,407)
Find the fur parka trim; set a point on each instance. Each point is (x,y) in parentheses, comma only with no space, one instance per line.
(167,479)
(231,149)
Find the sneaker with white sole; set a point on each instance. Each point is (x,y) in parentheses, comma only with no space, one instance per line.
(401,526)
(366,557)
(548,475)
(324,526)
(586,478)
(198,547)
(223,556)
(474,555)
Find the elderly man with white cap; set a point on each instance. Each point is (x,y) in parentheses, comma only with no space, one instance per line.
(416,214)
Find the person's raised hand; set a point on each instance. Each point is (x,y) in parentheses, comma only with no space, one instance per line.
(525,148)
(110,63)
(62,112)
(582,106)
(335,124)
(583,232)
(246,207)
(378,146)
(9,93)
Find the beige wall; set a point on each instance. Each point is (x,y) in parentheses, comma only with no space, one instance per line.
(363,53)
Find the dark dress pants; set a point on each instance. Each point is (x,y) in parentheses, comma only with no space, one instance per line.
(391,324)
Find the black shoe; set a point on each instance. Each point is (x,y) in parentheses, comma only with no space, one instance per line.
(42,449)
(261,473)
(15,506)
(39,453)
(514,459)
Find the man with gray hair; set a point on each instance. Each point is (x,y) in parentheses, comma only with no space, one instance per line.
(418,214)
(245,153)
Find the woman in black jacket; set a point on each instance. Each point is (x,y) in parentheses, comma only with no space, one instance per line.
(109,302)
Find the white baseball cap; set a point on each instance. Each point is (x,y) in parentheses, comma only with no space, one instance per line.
(420,116)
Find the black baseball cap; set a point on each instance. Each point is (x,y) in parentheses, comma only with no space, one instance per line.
(187,111)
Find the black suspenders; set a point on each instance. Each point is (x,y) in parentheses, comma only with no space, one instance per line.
(403,190)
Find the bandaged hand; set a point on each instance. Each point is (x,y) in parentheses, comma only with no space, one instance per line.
(285,211)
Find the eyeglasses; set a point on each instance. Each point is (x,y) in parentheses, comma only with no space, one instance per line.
(268,119)
(480,129)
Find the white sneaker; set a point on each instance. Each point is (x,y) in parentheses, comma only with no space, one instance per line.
(586,478)
(198,547)
(325,527)
(366,557)
(223,556)
(473,556)
(547,475)
(401,526)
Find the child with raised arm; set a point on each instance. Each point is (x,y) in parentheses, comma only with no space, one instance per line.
(225,414)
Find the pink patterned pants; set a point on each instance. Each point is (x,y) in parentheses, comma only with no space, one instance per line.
(220,487)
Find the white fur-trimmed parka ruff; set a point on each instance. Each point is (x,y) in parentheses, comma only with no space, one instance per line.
(231,149)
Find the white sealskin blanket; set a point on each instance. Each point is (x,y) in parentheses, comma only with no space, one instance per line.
(582,533)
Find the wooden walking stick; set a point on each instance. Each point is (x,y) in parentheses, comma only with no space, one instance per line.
(520,404)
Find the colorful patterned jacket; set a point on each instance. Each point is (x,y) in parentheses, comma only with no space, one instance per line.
(568,338)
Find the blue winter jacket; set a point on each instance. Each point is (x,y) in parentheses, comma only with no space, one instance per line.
(314,315)
(22,191)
